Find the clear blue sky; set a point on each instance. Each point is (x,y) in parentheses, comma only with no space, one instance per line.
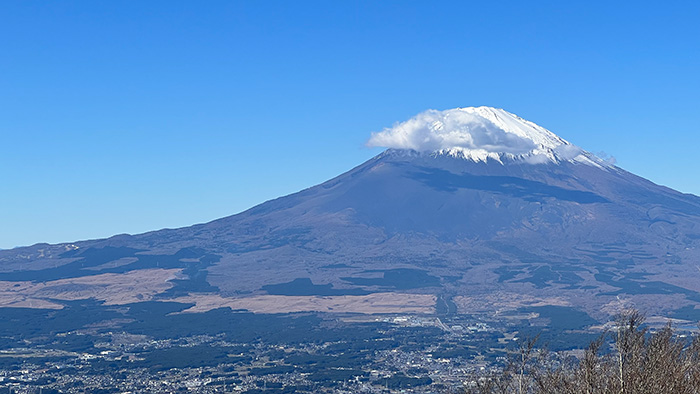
(129,116)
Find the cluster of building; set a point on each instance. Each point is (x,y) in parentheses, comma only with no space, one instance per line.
(114,367)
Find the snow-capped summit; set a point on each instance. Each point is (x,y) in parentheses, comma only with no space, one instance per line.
(480,134)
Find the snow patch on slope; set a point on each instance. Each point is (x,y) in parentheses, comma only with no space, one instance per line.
(480,134)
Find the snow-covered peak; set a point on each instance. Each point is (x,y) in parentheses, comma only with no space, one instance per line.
(480,134)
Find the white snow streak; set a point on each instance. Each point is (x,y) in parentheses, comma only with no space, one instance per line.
(479,134)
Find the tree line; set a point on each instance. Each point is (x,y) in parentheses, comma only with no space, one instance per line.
(640,362)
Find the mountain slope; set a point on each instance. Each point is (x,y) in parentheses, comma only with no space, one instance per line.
(491,212)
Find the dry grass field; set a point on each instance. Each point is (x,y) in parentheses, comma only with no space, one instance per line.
(376,303)
(113,289)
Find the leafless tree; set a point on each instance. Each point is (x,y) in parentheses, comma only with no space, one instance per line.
(639,363)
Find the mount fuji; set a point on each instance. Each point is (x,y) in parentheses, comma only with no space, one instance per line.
(469,210)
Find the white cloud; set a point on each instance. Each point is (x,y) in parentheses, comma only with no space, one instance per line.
(567,152)
(479,134)
(434,130)
(606,157)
